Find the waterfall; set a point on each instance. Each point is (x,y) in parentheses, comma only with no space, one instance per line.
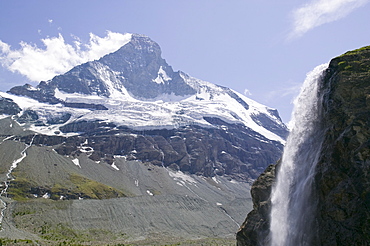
(292,205)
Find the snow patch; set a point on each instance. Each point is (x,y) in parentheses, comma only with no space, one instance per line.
(86,149)
(181,177)
(215,179)
(76,162)
(120,156)
(162,76)
(46,196)
(114,166)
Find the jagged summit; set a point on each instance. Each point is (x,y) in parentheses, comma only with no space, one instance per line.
(136,69)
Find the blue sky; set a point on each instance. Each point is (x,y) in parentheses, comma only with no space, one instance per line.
(261,48)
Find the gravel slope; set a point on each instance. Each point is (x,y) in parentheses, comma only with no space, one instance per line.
(160,203)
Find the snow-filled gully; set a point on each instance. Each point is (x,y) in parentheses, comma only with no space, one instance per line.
(9,177)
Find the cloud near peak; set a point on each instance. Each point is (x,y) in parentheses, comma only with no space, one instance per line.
(57,56)
(319,12)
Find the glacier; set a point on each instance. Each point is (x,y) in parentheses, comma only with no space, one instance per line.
(164,112)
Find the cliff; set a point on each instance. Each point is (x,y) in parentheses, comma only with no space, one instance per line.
(342,176)
(255,228)
(341,181)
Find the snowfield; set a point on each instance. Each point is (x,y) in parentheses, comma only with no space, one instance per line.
(167,111)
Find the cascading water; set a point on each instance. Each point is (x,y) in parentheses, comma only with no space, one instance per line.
(291,199)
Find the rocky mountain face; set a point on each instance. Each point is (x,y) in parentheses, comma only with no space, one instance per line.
(132,103)
(124,148)
(341,181)
(8,107)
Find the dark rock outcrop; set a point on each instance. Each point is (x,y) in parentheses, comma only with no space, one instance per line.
(255,229)
(342,178)
(28,116)
(7,106)
(44,92)
(85,105)
(232,150)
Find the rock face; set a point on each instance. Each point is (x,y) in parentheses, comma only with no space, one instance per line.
(257,224)
(343,177)
(342,180)
(8,107)
(201,151)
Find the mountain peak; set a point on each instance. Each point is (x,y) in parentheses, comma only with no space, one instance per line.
(137,67)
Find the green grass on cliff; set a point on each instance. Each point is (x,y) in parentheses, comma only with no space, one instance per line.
(19,189)
(354,62)
(77,185)
(93,189)
(356,51)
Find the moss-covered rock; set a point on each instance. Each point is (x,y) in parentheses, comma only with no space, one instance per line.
(343,171)
(22,189)
(92,189)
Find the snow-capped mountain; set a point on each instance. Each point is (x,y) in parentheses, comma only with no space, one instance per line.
(133,92)
(140,151)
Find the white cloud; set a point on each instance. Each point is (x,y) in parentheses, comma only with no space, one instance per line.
(319,12)
(50,21)
(57,56)
(291,90)
(247,92)
(4,48)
